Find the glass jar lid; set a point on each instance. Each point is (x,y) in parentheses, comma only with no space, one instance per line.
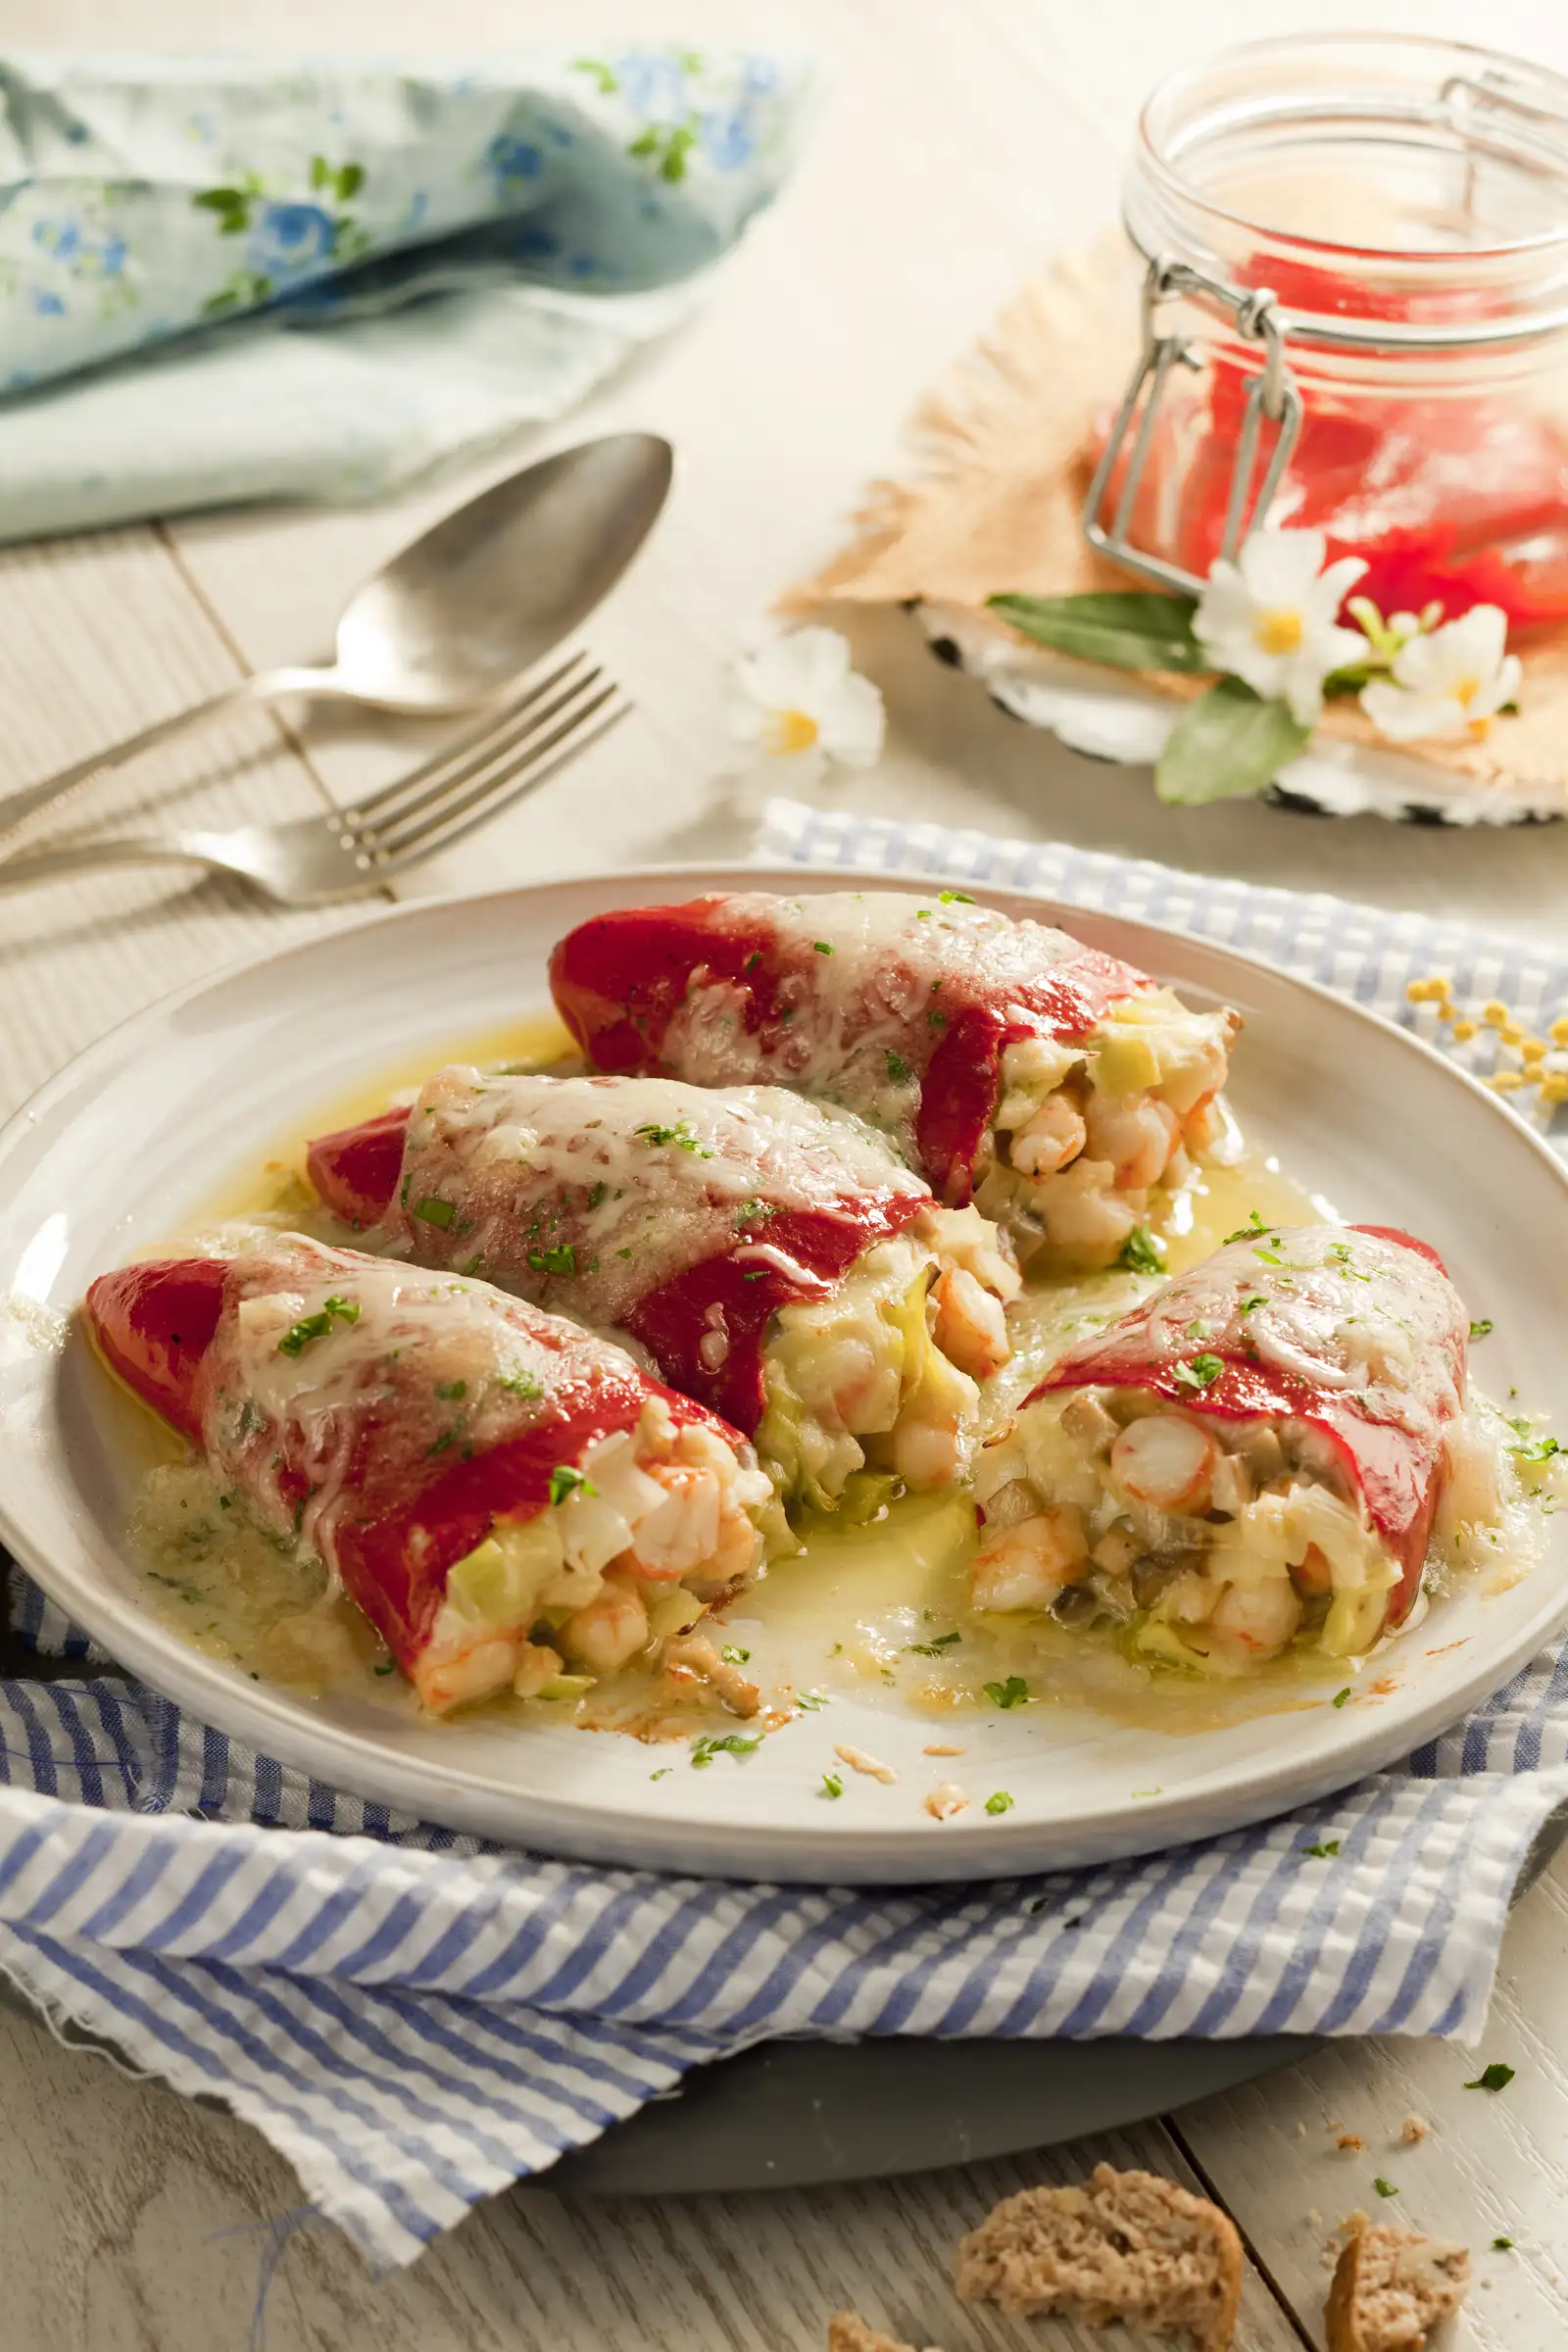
(1417,188)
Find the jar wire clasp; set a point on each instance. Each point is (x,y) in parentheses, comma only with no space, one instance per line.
(1272,397)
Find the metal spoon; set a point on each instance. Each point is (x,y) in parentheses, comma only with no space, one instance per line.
(457,613)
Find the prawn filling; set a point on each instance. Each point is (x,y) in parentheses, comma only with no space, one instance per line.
(1210,1543)
(1084,1130)
(876,1389)
(1013,1066)
(510,1499)
(640,1537)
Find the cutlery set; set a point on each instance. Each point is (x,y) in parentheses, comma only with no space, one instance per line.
(460,620)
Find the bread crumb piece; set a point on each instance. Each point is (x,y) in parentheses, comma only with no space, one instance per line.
(1390,2286)
(1413,2130)
(1126,2246)
(941,1748)
(859,1761)
(695,1655)
(847,2331)
(1351,2142)
(945,1802)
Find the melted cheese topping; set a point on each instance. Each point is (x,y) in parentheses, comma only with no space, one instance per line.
(320,1339)
(618,1185)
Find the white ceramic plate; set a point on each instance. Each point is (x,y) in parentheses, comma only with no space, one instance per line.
(139,1132)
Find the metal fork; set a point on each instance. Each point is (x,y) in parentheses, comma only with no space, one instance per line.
(348,853)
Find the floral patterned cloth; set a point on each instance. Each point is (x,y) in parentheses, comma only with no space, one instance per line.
(237,278)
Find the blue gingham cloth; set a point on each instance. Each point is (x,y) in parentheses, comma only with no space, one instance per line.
(416,2020)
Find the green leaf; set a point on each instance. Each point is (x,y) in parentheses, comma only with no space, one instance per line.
(320,172)
(1128,628)
(647,142)
(1140,1252)
(1010,1693)
(350,180)
(605,80)
(682,139)
(1495,2077)
(1230,741)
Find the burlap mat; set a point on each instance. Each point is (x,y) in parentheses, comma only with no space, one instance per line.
(1002,452)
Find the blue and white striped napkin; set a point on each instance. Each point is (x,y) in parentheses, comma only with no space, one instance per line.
(415,2020)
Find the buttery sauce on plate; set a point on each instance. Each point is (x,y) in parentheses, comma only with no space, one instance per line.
(868,1610)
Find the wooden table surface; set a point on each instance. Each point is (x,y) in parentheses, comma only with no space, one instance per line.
(962,142)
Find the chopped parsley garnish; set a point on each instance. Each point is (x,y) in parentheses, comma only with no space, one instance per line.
(1200,1331)
(704,1751)
(753,960)
(955,897)
(1245,1233)
(821,947)
(564,1481)
(447,1438)
(1385,2188)
(1000,1802)
(936,1020)
(1481,1330)
(1140,1252)
(1201,1373)
(1534,1449)
(1250,1307)
(403,1191)
(435,1212)
(449,1391)
(681,1136)
(933,1650)
(476,1264)
(251,1418)
(1502,2246)
(663,1773)
(732,1656)
(1325,1851)
(521,1384)
(387,1666)
(1010,1693)
(832,1785)
(809,1702)
(1341,1252)
(560,1259)
(922,914)
(596,1193)
(755,1213)
(1340,1696)
(899,1069)
(1495,2077)
(754,1273)
(315,1327)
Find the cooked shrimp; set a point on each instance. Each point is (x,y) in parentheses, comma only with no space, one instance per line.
(1052,1136)
(1258,1620)
(1166,1461)
(612,1629)
(971,1241)
(678,1533)
(1083,1211)
(1136,1133)
(934,1437)
(1028,1564)
(971,1325)
(473,1672)
(537,1664)
(692,1654)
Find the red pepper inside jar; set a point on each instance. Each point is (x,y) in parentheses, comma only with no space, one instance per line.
(1356,320)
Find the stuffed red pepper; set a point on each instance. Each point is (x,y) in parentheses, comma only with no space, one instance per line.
(1051,1085)
(1254,1456)
(504,1494)
(779,1263)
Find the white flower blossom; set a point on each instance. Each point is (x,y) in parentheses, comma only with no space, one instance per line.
(1271,617)
(800,701)
(1448,682)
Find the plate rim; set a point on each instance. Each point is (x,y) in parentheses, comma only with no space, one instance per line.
(890,1852)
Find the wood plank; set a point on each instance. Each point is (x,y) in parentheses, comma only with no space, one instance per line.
(97,637)
(159,2217)
(1493,2164)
